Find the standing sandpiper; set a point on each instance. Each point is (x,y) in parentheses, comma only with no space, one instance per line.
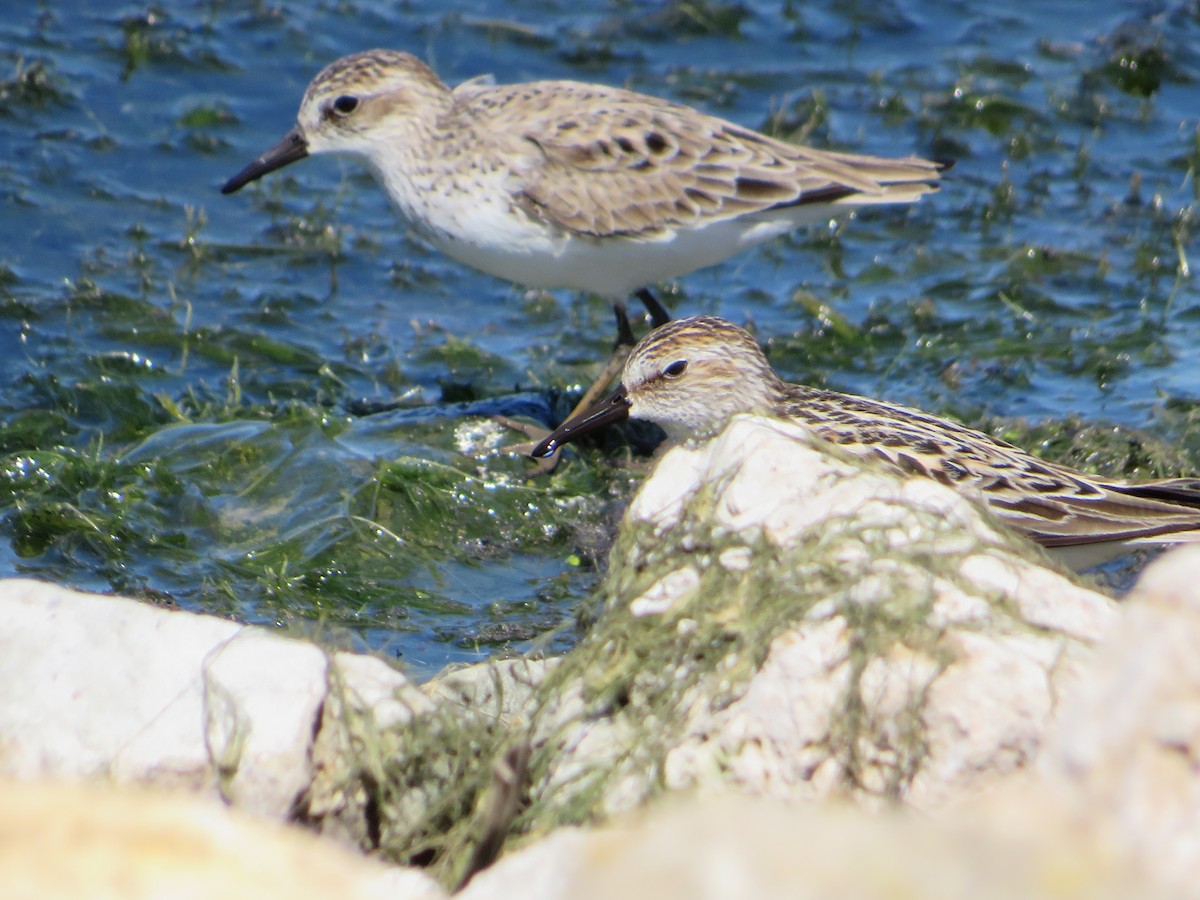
(560,184)
(692,375)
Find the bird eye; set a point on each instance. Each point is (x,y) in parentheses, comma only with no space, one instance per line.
(675,369)
(345,104)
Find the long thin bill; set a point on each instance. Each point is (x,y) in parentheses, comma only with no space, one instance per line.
(612,408)
(293,147)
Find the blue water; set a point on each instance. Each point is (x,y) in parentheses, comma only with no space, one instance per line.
(1037,284)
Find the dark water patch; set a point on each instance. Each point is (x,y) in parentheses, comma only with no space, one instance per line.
(32,85)
(675,20)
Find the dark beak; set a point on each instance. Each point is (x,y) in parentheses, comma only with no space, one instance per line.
(291,148)
(613,408)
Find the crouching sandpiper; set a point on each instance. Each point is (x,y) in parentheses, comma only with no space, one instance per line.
(692,375)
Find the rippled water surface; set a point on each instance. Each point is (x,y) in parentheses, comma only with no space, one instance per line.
(181,372)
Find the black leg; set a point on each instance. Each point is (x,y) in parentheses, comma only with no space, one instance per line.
(625,336)
(658,313)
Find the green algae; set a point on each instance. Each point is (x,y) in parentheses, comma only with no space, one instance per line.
(270,506)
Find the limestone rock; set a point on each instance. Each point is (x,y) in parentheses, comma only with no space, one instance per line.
(71,841)
(367,699)
(103,686)
(793,624)
(745,847)
(1128,740)
(504,689)
(106,687)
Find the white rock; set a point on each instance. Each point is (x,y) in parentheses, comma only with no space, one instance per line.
(72,841)
(726,847)
(674,588)
(376,688)
(1128,741)
(94,686)
(837,703)
(544,870)
(364,718)
(502,688)
(1046,599)
(773,741)
(986,714)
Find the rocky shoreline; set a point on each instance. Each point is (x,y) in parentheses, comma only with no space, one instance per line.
(805,676)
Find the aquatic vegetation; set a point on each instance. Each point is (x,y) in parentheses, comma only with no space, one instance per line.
(181,379)
(32,84)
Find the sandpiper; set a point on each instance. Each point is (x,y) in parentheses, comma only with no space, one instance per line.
(561,184)
(691,375)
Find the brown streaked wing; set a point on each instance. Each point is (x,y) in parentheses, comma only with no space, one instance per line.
(619,163)
(1052,504)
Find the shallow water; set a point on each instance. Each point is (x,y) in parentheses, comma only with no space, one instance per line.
(179,370)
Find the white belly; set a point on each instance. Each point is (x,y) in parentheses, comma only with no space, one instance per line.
(614,267)
(474,222)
